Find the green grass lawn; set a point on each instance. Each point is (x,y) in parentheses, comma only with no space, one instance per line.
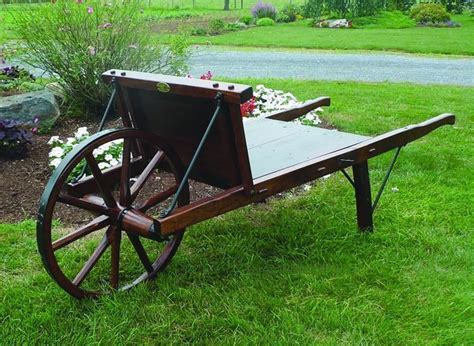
(299,35)
(296,270)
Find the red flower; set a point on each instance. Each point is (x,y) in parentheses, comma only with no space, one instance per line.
(248,107)
(207,76)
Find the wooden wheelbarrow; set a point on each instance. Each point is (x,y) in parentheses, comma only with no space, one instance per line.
(176,129)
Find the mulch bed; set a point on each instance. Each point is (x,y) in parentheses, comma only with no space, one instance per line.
(22,181)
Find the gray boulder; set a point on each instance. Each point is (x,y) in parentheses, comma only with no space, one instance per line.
(25,107)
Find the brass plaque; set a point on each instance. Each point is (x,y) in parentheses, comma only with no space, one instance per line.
(163,87)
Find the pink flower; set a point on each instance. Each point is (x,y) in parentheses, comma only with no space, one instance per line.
(34,130)
(106,25)
(248,107)
(90,10)
(36,120)
(207,76)
(79,1)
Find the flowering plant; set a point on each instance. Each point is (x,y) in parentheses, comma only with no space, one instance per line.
(267,101)
(107,155)
(14,139)
(264,10)
(16,79)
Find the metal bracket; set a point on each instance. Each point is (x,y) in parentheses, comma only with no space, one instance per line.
(164,213)
(385,179)
(348,177)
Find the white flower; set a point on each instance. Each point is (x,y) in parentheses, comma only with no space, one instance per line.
(307,187)
(81,132)
(103,165)
(395,189)
(55,162)
(54,139)
(109,157)
(114,162)
(70,141)
(309,116)
(56,152)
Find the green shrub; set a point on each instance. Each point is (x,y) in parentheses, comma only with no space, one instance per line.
(291,11)
(235,26)
(247,20)
(313,9)
(282,18)
(78,42)
(216,26)
(429,13)
(198,32)
(265,22)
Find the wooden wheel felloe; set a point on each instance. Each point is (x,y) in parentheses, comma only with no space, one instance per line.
(112,211)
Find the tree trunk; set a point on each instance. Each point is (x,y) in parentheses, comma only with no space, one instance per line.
(226,5)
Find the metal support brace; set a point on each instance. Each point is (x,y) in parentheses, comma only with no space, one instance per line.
(385,179)
(101,126)
(184,181)
(348,177)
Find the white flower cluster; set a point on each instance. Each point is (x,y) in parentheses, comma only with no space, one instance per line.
(269,101)
(107,155)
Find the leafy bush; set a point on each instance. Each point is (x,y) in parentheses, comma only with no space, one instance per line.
(265,22)
(313,9)
(385,20)
(429,13)
(282,18)
(78,42)
(247,20)
(264,10)
(14,140)
(198,32)
(235,26)
(14,79)
(291,11)
(216,26)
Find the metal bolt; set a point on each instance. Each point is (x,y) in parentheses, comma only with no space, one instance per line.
(215,85)
(231,87)
(123,74)
(112,72)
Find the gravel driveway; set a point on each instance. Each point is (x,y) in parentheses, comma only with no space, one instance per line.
(323,65)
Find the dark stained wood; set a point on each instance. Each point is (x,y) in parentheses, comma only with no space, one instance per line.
(95,225)
(140,250)
(275,145)
(125,174)
(244,167)
(182,120)
(183,86)
(115,239)
(84,204)
(101,182)
(296,112)
(92,261)
(284,179)
(363,196)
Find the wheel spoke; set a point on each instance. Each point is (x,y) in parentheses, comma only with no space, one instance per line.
(83,204)
(101,184)
(158,198)
(125,173)
(115,257)
(137,244)
(145,175)
(98,252)
(95,225)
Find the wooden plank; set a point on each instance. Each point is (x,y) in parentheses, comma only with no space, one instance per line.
(296,175)
(296,112)
(233,93)
(363,196)
(286,144)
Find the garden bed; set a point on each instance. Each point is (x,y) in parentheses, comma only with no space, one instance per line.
(22,181)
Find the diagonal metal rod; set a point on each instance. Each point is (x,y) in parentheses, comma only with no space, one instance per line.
(101,127)
(184,181)
(348,177)
(385,179)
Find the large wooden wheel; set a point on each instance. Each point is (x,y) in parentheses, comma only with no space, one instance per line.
(105,207)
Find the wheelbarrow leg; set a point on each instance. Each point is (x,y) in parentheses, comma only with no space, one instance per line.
(363,196)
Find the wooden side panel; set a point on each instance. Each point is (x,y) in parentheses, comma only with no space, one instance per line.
(182,121)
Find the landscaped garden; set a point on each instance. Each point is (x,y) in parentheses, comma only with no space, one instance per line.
(294,269)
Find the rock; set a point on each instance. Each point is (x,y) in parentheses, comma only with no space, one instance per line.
(25,107)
